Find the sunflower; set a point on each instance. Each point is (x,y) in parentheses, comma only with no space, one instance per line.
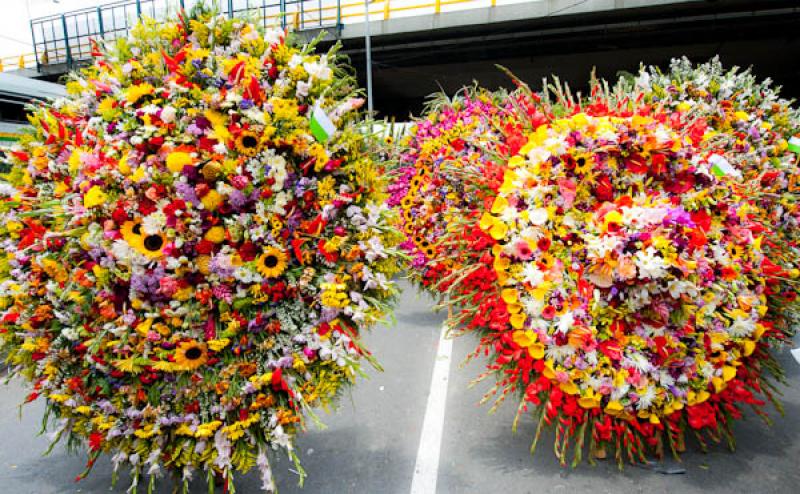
(247,143)
(272,263)
(190,355)
(130,230)
(132,234)
(151,245)
(583,164)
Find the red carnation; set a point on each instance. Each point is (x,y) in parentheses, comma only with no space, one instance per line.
(204,247)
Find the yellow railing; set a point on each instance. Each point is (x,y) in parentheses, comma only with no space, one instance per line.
(17,62)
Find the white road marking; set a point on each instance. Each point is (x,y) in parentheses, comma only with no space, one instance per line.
(426,469)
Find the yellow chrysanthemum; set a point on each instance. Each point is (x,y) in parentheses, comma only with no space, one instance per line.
(215,234)
(212,200)
(177,160)
(94,197)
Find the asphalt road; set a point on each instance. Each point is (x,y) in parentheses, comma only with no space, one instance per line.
(370,444)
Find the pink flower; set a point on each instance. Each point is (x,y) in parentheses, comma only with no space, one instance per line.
(167,286)
(522,250)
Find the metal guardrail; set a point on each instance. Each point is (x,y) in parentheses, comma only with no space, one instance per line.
(65,40)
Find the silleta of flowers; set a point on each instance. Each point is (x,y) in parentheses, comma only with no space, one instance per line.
(762,144)
(193,240)
(627,284)
(473,132)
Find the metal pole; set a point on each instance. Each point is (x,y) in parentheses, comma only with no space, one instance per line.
(35,49)
(230,9)
(100,23)
(138,9)
(66,41)
(368,48)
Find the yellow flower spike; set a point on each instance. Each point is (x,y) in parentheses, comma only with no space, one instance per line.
(759,331)
(536,350)
(514,308)
(498,230)
(500,204)
(570,388)
(487,221)
(518,320)
(508,182)
(619,377)
(502,277)
(524,338)
(510,295)
(728,372)
(139,174)
(614,408)
(144,327)
(516,161)
(748,347)
(654,419)
(718,383)
(590,401)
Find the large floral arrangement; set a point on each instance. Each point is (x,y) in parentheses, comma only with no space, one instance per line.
(623,287)
(760,126)
(472,133)
(193,241)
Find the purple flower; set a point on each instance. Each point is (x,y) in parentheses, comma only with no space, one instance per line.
(237,199)
(186,191)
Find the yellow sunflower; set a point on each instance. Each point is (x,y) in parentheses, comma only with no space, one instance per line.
(132,233)
(247,143)
(272,263)
(151,245)
(583,164)
(190,355)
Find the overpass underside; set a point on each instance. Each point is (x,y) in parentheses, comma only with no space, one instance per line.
(410,65)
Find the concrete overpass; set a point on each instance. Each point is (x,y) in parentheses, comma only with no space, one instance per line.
(419,46)
(415,56)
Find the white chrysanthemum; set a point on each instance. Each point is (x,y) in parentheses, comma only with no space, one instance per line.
(741,327)
(531,274)
(154,223)
(559,353)
(565,323)
(646,398)
(509,215)
(650,264)
(537,216)
(598,247)
(639,362)
(538,155)
(533,306)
